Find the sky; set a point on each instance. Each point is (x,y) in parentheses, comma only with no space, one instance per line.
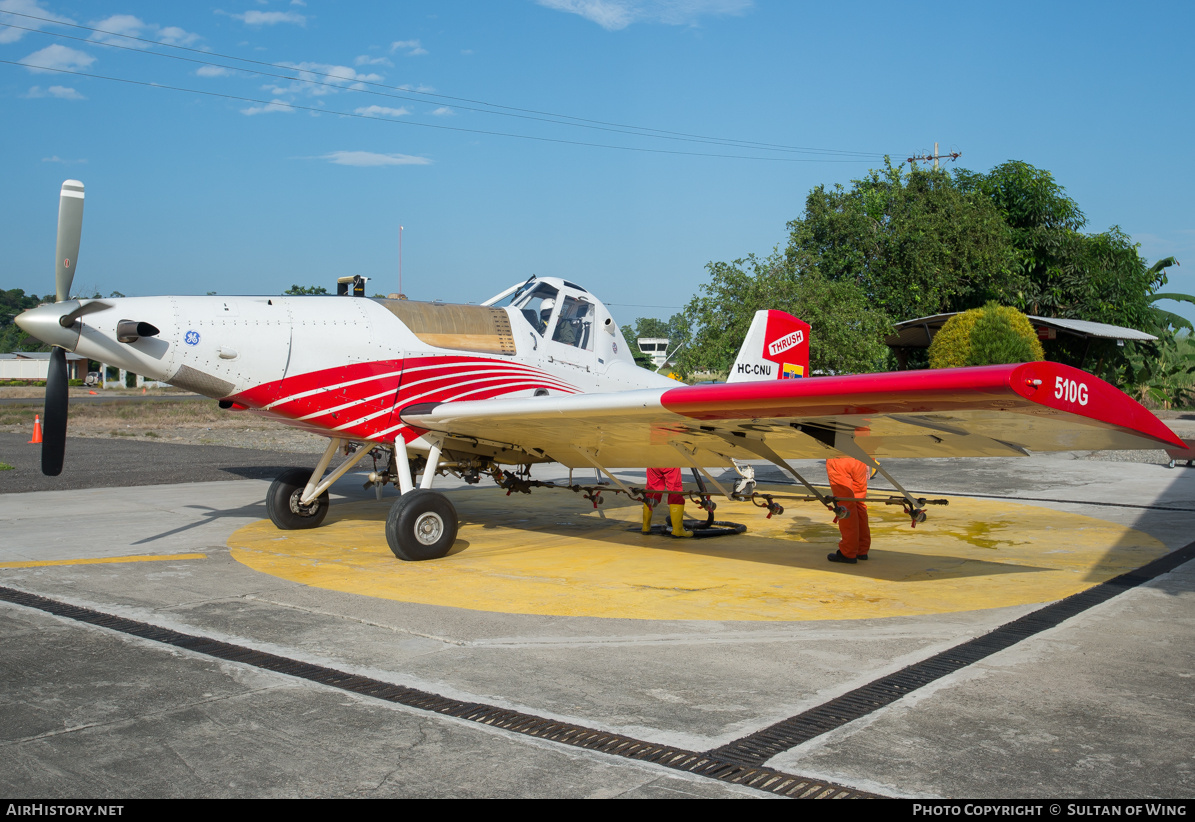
(246,146)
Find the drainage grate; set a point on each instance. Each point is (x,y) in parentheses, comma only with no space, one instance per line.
(738,762)
(703,764)
(759,747)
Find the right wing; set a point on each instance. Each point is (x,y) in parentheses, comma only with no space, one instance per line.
(1000,410)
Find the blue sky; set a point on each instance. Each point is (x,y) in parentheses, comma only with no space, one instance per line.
(244,183)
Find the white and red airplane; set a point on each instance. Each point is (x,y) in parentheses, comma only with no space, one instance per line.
(465,389)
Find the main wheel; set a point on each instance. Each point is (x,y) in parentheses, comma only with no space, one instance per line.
(422,525)
(282,502)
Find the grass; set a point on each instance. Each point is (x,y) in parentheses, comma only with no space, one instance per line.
(4,466)
(145,416)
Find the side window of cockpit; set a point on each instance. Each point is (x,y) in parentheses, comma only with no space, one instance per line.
(537,310)
(575,324)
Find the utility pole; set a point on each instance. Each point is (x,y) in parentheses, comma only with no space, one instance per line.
(401,296)
(954,155)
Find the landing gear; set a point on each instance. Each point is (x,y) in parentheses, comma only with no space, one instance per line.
(422,525)
(284,507)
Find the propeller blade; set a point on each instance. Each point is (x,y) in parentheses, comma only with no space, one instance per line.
(67,320)
(70,230)
(53,446)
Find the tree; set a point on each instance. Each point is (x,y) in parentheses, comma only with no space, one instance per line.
(1162,374)
(915,243)
(675,330)
(12,338)
(305,290)
(1066,273)
(847,331)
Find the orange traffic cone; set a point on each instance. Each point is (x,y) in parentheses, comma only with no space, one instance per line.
(36,429)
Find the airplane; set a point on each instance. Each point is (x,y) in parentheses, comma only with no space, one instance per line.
(434,389)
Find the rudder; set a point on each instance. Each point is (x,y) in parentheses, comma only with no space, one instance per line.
(776,348)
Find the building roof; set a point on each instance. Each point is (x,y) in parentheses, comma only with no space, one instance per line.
(38,355)
(920,332)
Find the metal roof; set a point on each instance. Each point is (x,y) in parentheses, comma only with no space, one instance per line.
(38,355)
(920,332)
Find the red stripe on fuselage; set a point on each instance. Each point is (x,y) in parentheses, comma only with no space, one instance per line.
(321,401)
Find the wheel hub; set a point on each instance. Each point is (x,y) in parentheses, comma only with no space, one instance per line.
(429,528)
(297,507)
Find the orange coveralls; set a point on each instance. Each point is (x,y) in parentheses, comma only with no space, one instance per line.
(848,478)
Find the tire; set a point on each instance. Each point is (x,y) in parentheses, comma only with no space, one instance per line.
(422,525)
(282,502)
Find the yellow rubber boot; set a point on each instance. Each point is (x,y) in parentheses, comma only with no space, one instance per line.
(678,521)
(646,518)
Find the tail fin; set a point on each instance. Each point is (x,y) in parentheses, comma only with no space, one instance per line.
(776,348)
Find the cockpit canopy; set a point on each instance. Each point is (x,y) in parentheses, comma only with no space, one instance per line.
(563,314)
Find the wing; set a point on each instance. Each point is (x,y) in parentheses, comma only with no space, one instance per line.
(1002,410)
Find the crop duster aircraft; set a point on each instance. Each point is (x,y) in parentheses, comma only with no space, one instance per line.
(435,389)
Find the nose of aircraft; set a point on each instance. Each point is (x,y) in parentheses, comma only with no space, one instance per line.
(43,322)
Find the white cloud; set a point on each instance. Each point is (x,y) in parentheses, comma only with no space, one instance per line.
(213,71)
(174,36)
(318,79)
(119,28)
(368,158)
(57,159)
(57,57)
(269,18)
(411,47)
(443,111)
(61,92)
(32,7)
(382,111)
(366,60)
(613,15)
(273,105)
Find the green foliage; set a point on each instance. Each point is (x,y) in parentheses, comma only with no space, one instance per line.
(915,243)
(847,330)
(1162,374)
(676,330)
(305,290)
(1065,273)
(992,335)
(1163,319)
(1003,335)
(12,338)
(951,346)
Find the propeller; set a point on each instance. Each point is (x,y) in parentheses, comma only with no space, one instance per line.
(70,231)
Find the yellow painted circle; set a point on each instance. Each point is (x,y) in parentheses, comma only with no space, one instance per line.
(552,554)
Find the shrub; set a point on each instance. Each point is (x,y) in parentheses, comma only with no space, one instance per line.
(991,335)
(951,347)
(1003,335)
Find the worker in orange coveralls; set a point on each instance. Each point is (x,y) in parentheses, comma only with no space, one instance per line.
(667,479)
(848,478)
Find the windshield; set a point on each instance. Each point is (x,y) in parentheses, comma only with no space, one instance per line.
(537,309)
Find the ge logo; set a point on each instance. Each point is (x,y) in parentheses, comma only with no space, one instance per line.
(615,347)
(192,338)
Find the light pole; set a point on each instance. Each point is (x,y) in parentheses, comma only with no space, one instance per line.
(400,294)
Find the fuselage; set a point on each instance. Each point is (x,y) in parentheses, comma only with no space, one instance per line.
(347,366)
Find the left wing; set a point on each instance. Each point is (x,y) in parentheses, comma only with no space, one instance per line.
(999,410)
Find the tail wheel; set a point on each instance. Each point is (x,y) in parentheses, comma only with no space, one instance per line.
(284,508)
(422,525)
